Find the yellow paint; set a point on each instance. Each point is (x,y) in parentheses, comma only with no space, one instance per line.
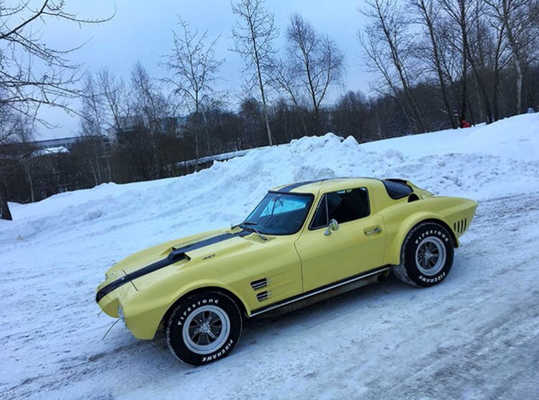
(292,264)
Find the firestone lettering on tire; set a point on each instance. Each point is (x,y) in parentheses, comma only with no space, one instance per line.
(220,353)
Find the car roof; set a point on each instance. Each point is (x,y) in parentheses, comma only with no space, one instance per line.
(329,184)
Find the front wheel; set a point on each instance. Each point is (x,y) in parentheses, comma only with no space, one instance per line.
(204,327)
(426,255)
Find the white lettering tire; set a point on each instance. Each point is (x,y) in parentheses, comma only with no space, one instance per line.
(204,327)
(426,255)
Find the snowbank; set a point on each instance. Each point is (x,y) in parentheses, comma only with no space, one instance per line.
(481,162)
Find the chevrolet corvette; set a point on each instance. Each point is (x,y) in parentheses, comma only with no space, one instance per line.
(303,242)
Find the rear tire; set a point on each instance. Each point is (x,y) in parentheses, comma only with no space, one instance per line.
(426,255)
(204,327)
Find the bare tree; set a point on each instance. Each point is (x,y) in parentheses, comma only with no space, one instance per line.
(150,109)
(518,19)
(428,14)
(389,47)
(148,101)
(194,68)
(115,97)
(315,63)
(33,74)
(254,34)
(92,113)
(93,126)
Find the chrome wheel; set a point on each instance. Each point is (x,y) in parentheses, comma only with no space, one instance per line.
(430,256)
(206,329)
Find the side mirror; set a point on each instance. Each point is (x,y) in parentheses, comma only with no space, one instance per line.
(332,226)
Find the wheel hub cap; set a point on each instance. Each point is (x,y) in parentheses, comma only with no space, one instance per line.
(430,256)
(206,329)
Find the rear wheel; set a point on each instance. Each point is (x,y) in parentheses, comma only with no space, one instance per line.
(426,255)
(204,327)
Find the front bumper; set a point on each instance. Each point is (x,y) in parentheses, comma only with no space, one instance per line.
(141,317)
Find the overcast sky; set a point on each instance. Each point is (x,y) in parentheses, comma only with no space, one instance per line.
(142,31)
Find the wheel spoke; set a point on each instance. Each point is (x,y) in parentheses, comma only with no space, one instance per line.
(430,255)
(215,329)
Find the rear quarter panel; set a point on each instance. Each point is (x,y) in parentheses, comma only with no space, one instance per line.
(455,213)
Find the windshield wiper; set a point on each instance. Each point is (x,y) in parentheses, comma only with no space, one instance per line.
(251,227)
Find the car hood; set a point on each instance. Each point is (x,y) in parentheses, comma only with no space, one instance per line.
(186,250)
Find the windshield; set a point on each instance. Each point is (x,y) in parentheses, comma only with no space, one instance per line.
(279,213)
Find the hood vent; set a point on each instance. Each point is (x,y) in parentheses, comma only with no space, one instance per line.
(259,284)
(461,225)
(263,295)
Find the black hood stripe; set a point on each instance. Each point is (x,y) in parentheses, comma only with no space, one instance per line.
(174,256)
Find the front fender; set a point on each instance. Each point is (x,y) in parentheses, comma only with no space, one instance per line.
(143,315)
(393,253)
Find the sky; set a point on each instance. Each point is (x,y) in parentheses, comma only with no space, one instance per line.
(142,31)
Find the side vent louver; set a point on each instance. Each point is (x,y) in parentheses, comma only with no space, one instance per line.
(461,225)
(262,295)
(259,284)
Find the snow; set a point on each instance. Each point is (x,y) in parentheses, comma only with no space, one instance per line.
(474,336)
(50,150)
(217,157)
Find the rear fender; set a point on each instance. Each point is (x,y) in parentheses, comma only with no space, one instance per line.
(393,255)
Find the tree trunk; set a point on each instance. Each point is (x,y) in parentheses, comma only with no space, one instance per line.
(206,132)
(260,81)
(30,181)
(400,67)
(197,131)
(437,62)
(4,207)
(464,93)
(518,70)
(266,120)
(496,83)
(516,59)
(482,90)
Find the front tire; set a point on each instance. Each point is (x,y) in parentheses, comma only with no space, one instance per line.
(204,327)
(426,255)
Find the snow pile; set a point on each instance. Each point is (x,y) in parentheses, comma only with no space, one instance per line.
(55,252)
(480,162)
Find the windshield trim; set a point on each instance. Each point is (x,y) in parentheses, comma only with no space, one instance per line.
(309,206)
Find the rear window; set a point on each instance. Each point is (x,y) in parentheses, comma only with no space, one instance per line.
(397,189)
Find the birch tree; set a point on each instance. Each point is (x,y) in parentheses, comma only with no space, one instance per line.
(254,35)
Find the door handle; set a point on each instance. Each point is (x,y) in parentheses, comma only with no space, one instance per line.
(372,230)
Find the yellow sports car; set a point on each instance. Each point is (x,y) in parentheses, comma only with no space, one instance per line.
(302,242)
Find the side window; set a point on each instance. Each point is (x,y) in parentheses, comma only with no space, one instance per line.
(343,206)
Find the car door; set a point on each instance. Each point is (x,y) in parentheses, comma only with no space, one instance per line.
(355,247)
